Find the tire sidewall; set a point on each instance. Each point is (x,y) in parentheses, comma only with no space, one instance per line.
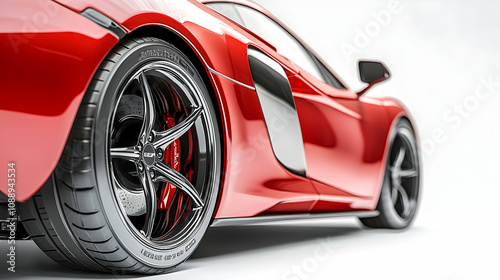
(135,58)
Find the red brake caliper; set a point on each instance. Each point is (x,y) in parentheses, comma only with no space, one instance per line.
(173,158)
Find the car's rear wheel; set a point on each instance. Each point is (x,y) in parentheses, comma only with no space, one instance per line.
(399,196)
(137,184)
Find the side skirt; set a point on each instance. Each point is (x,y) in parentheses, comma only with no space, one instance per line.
(266,219)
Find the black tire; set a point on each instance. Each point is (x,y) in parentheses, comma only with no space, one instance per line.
(78,218)
(399,196)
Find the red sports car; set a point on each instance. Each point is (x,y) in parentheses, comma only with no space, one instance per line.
(129,127)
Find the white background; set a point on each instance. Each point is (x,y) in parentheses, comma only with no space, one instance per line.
(438,53)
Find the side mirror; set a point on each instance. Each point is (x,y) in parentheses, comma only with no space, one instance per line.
(372,72)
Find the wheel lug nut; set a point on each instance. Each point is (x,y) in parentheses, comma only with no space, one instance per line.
(150,138)
(159,154)
(140,167)
(152,174)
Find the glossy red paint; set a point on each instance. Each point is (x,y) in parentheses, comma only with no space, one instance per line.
(254,180)
(218,45)
(345,138)
(48,56)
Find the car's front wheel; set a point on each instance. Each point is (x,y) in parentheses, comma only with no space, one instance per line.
(399,196)
(137,183)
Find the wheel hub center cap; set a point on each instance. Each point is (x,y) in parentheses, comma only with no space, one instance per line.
(148,155)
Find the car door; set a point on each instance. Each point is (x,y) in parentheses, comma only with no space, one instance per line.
(329,114)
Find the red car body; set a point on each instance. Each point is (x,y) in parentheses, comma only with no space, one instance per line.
(345,137)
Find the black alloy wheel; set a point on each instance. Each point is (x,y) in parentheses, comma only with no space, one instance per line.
(137,184)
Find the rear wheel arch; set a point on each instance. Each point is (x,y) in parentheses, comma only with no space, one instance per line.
(178,40)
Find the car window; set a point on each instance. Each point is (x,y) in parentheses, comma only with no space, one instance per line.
(228,10)
(283,41)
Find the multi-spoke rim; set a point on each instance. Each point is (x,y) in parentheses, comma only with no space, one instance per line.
(404,174)
(148,151)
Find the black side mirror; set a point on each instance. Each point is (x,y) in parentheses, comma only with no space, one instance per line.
(372,72)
